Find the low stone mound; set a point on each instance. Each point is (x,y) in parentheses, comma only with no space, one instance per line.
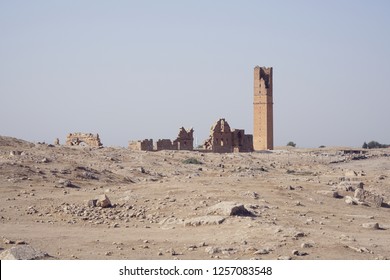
(14,142)
(23,252)
(229,208)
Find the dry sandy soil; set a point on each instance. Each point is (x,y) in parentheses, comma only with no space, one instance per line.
(162,208)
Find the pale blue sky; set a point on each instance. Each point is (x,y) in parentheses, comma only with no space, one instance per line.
(142,69)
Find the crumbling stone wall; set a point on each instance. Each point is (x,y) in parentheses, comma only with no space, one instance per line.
(165,144)
(223,140)
(220,139)
(75,139)
(185,139)
(144,145)
(242,143)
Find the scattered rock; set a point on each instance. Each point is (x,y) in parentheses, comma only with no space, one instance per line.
(8,241)
(15,153)
(65,183)
(371,225)
(253,195)
(350,200)
(204,220)
(228,208)
(103,201)
(298,203)
(212,250)
(284,258)
(92,203)
(262,252)
(299,234)
(306,245)
(350,186)
(298,253)
(350,173)
(23,252)
(88,175)
(368,197)
(172,252)
(344,237)
(359,249)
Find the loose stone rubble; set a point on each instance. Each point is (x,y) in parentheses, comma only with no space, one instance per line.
(78,138)
(368,197)
(23,252)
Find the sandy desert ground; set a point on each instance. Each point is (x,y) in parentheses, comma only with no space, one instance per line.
(163,208)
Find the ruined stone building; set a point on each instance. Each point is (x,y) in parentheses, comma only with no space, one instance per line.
(184,141)
(224,140)
(263,137)
(144,145)
(165,144)
(76,139)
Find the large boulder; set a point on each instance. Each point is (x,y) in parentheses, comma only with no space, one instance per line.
(103,201)
(23,252)
(229,208)
(368,197)
(371,225)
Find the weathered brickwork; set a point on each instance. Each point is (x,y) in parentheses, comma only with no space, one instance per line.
(263,138)
(165,144)
(184,141)
(144,145)
(224,140)
(242,143)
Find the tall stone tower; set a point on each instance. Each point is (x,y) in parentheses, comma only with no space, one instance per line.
(263,124)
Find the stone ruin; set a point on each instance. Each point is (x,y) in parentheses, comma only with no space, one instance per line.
(224,140)
(184,141)
(77,139)
(141,145)
(165,144)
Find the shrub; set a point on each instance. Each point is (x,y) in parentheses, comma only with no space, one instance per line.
(291,144)
(375,145)
(192,161)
